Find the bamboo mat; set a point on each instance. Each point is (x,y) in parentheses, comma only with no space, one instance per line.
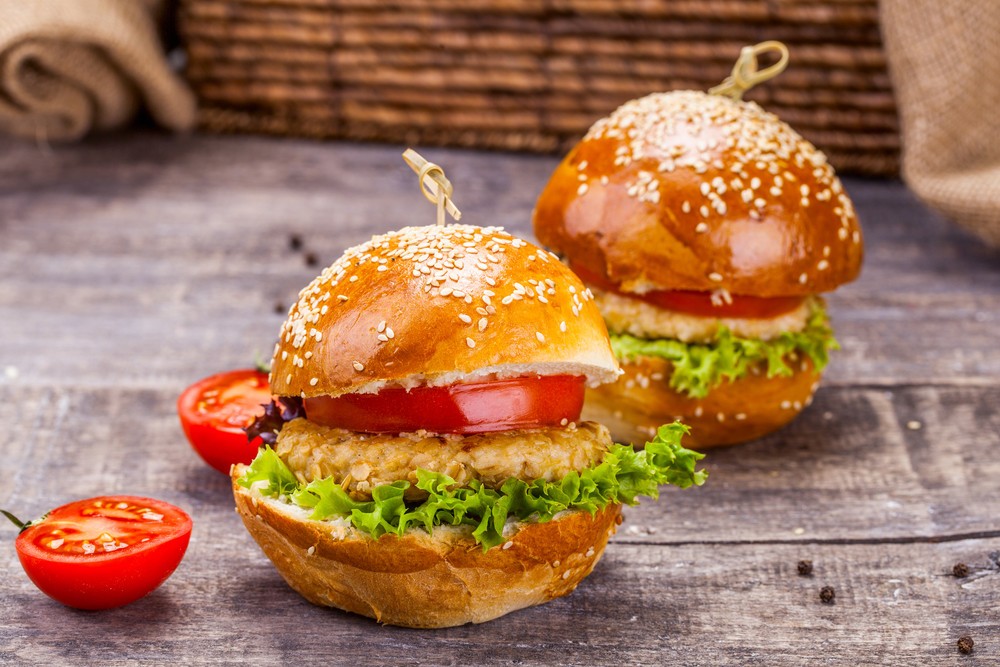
(528,75)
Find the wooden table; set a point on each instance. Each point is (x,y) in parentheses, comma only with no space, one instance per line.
(132,266)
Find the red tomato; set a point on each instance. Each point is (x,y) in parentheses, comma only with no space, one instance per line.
(104,552)
(476,407)
(699,303)
(214,412)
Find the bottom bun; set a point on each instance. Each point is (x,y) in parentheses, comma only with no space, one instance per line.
(733,412)
(421,580)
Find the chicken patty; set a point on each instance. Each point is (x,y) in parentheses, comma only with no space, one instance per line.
(366,460)
(633,316)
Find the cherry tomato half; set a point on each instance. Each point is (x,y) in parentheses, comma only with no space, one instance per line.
(480,407)
(104,552)
(214,412)
(699,303)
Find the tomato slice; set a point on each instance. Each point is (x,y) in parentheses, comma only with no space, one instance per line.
(699,303)
(104,552)
(474,407)
(214,412)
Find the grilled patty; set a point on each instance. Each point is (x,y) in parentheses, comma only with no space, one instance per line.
(366,460)
(636,317)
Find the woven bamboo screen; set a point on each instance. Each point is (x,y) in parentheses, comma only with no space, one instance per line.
(528,75)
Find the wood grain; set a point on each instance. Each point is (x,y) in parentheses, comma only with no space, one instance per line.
(131,266)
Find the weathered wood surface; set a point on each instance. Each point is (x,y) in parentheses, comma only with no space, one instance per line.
(130,267)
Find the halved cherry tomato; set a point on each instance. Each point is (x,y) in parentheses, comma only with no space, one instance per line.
(699,303)
(479,407)
(214,412)
(104,552)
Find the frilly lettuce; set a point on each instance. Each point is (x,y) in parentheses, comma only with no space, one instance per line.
(623,476)
(698,368)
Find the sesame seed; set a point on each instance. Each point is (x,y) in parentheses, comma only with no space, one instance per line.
(566,574)
(705,187)
(704,211)
(562,326)
(686,206)
(701,228)
(313,382)
(582,190)
(381,326)
(823,265)
(482,324)
(389,332)
(803,278)
(539,336)
(342,297)
(383,338)
(470,342)
(507,545)
(715,277)
(465,318)
(358,366)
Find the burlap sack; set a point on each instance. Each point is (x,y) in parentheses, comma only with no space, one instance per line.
(68,67)
(944,58)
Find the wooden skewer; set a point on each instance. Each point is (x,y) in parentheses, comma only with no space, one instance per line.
(433,183)
(745,74)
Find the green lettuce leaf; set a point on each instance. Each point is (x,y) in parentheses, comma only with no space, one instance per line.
(700,367)
(623,476)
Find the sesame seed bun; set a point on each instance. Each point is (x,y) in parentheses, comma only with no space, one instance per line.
(735,411)
(425,580)
(691,191)
(436,305)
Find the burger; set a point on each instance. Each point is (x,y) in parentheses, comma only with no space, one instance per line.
(707,230)
(429,465)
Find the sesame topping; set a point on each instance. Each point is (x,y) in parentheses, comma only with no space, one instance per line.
(701,228)
(440,263)
(715,277)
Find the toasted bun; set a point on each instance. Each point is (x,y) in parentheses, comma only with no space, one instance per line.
(421,580)
(692,191)
(732,412)
(434,305)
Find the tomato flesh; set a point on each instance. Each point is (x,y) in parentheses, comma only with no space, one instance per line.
(214,412)
(104,552)
(468,408)
(698,303)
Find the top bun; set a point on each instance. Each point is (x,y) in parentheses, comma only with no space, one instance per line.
(692,191)
(436,305)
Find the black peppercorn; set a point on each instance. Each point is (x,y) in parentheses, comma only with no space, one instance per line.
(805,568)
(826,594)
(965,644)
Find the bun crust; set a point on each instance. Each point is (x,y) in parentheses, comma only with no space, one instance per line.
(751,407)
(435,305)
(692,191)
(420,580)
